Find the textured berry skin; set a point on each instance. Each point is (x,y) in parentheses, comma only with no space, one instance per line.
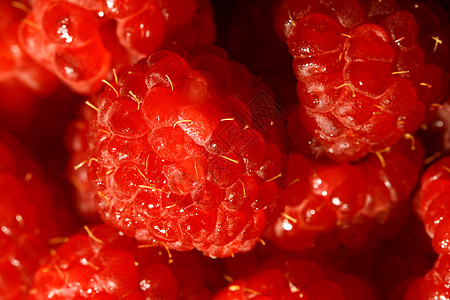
(82,41)
(104,264)
(187,152)
(350,204)
(23,82)
(363,79)
(27,219)
(286,279)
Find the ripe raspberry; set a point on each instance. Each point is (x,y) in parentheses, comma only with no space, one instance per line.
(350,204)
(294,279)
(81,41)
(186,151)
(363,79)
(104,264)
(431,202)
(23,82)
(78,146)
(27,219)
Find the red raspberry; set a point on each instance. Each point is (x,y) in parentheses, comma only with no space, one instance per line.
(431,201)
(104,264)
(81,41)
(294,279)
(23,83)
(27,219)
(431,204)
(185,151)
(363,79)
(434,285)
(350,204)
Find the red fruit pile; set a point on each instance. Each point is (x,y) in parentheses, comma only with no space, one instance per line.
(28,218)
(283,162)
(363,79)
(83,41)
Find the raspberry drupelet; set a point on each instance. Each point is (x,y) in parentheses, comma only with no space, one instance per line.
(82,41)
(102,263)
(186,151)
(363,78)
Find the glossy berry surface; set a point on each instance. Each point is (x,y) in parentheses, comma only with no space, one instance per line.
(363,79)
(103,264)
(82,41)
(186,151)
(349,204)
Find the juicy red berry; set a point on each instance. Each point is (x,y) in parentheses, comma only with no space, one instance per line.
(394,270)
(77,143)
(82,41)
(185,151)
(27,219)
(295,279)
(23,83)
(436,133)
(348,203)
(431,201)
(103,264)
(363,79)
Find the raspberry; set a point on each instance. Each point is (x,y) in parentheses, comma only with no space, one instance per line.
(77,143)
(436,133)
(434,284)
(23,83)
(351,204)
(27,218)
(186,151)
(431,200)
(288,278)
(82,41)
(363,79)
(103,264)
